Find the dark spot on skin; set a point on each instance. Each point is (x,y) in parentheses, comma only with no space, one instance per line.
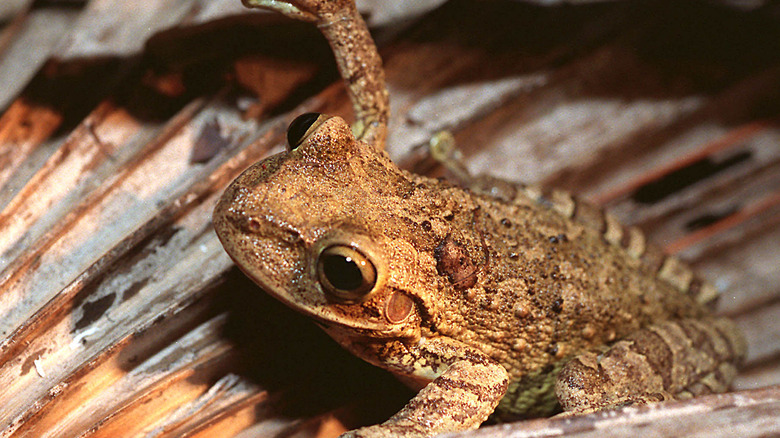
(559,238)
(449,216)
(552,349)
(453,260)
(94,310)
(253,225)
(557,305)
(695,287)
(426,225)
(506,222)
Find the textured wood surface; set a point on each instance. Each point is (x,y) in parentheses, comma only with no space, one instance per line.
(120,315)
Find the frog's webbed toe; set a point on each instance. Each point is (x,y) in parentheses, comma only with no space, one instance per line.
(670,360)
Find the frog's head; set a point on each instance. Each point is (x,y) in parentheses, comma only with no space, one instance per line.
(323,228)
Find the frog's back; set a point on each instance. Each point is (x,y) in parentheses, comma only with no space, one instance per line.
(552,277)
(665,268)
(630,242)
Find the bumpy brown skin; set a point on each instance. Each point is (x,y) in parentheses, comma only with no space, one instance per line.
(470,289)
(498,297)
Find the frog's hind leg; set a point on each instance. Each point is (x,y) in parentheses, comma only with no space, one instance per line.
(670,360)
(356,56)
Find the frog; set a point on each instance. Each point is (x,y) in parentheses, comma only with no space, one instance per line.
(490,298)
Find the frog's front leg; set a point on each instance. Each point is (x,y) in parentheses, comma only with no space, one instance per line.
(670,360)
(466,389)
(356,56)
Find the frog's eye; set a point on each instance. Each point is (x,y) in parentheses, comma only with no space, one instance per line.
(301,127)
(345,273)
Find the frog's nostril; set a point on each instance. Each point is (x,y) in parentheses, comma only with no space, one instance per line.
(253,225)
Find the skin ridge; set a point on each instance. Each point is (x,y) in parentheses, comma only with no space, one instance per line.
(666,268)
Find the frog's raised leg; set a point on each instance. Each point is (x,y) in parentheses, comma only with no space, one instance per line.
(356,56)
(443,149)
(466,387)
(670,360)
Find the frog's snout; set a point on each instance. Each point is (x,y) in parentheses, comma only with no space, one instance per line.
(230,216)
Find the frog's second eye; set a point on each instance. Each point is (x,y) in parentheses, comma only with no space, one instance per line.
(345,273)
(301,127)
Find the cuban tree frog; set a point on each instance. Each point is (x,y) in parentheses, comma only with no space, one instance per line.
(496,299)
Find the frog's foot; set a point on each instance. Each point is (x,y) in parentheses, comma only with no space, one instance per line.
(675,359)
(356,56)
(443,149)
(460,398)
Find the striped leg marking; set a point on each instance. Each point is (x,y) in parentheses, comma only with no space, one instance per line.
(460,398)
(674,359)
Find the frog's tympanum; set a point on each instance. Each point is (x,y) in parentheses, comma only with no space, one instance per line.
(492,299)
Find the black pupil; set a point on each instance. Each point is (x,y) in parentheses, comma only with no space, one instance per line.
(342,272)
(298,128)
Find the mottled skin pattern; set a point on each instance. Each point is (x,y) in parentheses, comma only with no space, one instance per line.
(499,297)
